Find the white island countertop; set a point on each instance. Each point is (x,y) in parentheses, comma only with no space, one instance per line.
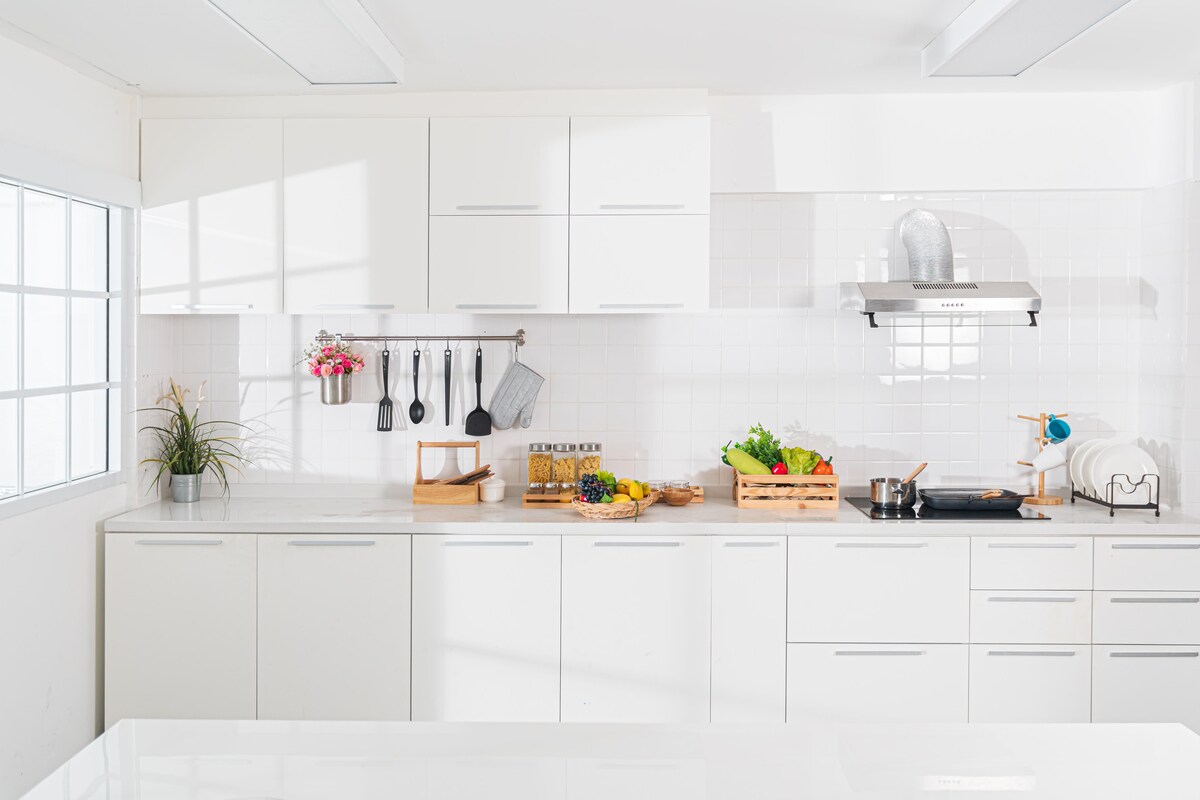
(716,516)
(439,761)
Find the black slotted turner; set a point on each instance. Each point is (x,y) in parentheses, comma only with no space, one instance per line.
(385,405)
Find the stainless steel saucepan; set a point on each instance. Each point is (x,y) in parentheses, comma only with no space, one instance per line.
(894,493)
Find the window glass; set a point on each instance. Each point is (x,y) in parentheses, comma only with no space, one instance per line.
(8,448)
(89,247)
(89,430)
(9,229)
(44,351)
(89,350)
(45,243)
(8,333)
(45,441)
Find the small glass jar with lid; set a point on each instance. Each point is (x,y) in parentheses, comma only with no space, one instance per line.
(565,469)
(539,463)
(591,458)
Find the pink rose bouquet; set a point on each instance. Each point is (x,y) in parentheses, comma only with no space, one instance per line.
(323,360)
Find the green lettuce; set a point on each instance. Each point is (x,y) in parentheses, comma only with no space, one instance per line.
(800,461)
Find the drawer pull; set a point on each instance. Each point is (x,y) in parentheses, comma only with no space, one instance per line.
(1147,654)
(750,544)
(880,545)
(879,652)
(642,206)
(1033,545)
(211,306)
(496,306)
(1154,600)
(636,544)
(354,306)
(1155,546)
(640,305)
(180,542)
(1067,653)
(331,542)
(499,207)
(485,543)
(1032,599)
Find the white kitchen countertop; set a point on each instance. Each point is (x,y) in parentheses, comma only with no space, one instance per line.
(716,516)
(438,761)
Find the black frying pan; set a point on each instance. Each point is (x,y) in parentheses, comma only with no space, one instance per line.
(970,500)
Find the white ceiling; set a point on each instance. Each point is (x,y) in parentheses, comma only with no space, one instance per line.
(183,47)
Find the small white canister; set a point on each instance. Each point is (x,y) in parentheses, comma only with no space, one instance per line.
(491,490)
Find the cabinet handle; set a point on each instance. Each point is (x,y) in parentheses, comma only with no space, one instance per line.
(879,652)
(354,306)
(211,306)
(879,545)
(499,207)
(750,544)
(636,544)
(472,306)
(331,542)
(1067,653)
(180,542)
(642,206)
(640,305)
(1033,545)
(1155,546)
(1032,599)
(1147,654)
(455,543)
(1154,599)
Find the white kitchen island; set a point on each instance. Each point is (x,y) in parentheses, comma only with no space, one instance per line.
(220,760)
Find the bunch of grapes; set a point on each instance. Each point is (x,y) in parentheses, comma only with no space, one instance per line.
(591,489)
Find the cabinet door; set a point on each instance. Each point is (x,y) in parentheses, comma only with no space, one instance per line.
(179,626)
(621,265)
(896,589)
(333,631)
(749,628)
(639,165)
(1030,617)
(1151,565)
(355,234)
(1146,684)
(211,216)
(486,628)
(1146,618)
(1030,683)
(877,683)
(499,165)
(498,265)
(635,633)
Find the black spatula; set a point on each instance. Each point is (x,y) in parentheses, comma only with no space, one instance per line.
(385,405)
(479,422)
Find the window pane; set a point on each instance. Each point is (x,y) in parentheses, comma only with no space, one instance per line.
(114,339)
(89,247)
(8,233)
(45,448)
(89,415)
(115,417)
(8,448)
(45,350)
(45,240)
(8,333)
(89,324)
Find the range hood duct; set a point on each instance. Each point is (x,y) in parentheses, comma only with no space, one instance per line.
(930,288)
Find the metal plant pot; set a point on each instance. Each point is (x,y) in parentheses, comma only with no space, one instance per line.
(185,488)
(335,389)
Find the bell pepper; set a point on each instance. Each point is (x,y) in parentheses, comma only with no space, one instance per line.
(823,467)
(779,469)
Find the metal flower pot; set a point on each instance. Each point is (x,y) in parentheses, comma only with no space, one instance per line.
(185,488)
(335,389)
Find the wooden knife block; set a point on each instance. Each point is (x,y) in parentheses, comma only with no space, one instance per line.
(425,492)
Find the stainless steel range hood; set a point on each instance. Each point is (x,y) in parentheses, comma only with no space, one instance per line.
(931,290)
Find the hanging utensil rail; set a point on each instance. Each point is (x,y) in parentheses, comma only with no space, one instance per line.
(518,338)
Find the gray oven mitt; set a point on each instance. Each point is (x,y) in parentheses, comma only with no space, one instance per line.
(515,395)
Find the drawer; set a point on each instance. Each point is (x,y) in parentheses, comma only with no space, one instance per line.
(1030,617)
(858,589)
(1024,683)
(877,683)
(1146,618)
(1143,564)
(1031,563)
(1146,684)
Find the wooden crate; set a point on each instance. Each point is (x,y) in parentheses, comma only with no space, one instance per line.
(785,491)
(426,493)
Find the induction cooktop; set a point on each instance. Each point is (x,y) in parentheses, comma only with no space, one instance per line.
(924,513)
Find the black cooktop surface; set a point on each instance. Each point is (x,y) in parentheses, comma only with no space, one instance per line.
(923,513)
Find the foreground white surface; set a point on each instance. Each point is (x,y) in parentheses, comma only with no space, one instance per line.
(216,760)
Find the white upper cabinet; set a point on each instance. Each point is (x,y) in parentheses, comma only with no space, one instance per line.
(211,216)
(355,200)
(499,165)
(629,264)
(639,165)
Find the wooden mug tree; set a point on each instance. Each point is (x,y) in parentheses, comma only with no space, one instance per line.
(1041,498)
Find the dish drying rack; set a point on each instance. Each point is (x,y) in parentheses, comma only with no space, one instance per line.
(1150,481)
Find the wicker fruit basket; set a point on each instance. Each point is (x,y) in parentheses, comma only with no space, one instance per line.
(615,510)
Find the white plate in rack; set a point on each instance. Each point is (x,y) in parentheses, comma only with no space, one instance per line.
(1076,465)
(1122,460)
(1089,461)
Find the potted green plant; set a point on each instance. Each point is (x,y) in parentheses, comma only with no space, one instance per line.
(187,447)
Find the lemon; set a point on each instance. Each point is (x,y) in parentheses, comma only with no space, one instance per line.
(622,498)
(635,491)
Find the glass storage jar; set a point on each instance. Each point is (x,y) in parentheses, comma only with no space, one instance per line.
(591,458)
(539,461)
(565,468)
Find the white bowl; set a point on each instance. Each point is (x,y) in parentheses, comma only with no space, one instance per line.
(491,490)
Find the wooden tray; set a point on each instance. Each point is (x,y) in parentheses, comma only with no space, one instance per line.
(785,491)
(552,500)
(426,493)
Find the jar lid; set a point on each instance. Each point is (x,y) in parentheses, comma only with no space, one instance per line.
(534,486)
(590,447)
(539,447)
(564,447)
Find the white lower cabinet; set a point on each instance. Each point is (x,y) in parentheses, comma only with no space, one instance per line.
(749,628)
(179,626)
(333,630)
(877,683)
(1146,683)
(1030,683)
(486,628)
(1146,618)
(1031,617)
(635,628)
